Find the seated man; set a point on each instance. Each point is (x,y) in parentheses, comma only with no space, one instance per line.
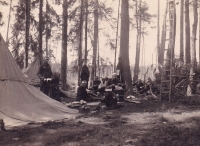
(115,80)
(139,85)
(96,84)
(110,99)
(82,93)
(44,73)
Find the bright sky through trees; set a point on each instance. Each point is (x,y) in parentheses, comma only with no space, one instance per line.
(105,52)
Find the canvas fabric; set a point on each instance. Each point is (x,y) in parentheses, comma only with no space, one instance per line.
(31,71)
(21,103)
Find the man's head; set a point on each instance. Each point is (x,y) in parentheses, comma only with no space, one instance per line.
(114,75)
(46,60)
(84,83)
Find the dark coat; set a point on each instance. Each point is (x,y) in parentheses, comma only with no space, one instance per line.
(45,71)
(85,74)
(81,94)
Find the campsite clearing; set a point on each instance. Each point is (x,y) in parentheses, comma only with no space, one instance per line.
(148,123)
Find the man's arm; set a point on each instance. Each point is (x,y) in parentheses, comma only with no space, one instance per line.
(39,73)
(50,71)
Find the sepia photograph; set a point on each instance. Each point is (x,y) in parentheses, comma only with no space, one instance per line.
(99,72)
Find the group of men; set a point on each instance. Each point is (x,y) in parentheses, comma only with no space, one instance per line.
(106,86)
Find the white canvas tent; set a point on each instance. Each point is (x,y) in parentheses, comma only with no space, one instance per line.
(31,71)
(21,103)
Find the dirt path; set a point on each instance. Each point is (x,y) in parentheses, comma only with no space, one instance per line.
(149,123)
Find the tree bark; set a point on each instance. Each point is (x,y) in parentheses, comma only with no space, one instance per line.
(199,34)
(8,22)
(64,46)
(80,62)
(47,37)
(93,73)
(86,26)
(187,33)
(163,38)
(116,37)
(40,31)
(193,38)
(172,32)
(138,42)
(158,31)
(27,32)
(124,44)
(181,32)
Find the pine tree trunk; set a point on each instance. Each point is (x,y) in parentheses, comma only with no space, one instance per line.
(158,31)
(138,42)
(193,38)
(86,22)
(124,44)
(40,31)
(27,31)
(47,39)
(64,46)
(181,32)
(163,38)
(172,32)
(93,73)
(135,75)
(8,21)
(199,34)
(116,37)
(80,43)
(187,33)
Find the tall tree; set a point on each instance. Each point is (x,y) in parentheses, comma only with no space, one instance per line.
(199,33)
(80,62)
(181,32)
(40,30)
(163,38)
(86,29)
(124,44)
(27,32)
(46,25)
(64,45)
(158,30)
(19,28)
(187,33)
(138,42)
(116,37)
(172,32)
(193,38)
(93,74)
(8,22)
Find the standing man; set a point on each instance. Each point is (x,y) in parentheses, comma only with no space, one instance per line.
(85,74)
(44,73)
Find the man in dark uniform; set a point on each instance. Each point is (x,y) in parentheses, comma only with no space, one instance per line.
(85,74)
(82,93)
(44,73)
(96,84)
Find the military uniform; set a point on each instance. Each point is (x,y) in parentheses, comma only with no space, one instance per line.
(44,72)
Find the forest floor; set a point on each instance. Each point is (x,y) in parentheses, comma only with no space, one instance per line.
(149,123)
